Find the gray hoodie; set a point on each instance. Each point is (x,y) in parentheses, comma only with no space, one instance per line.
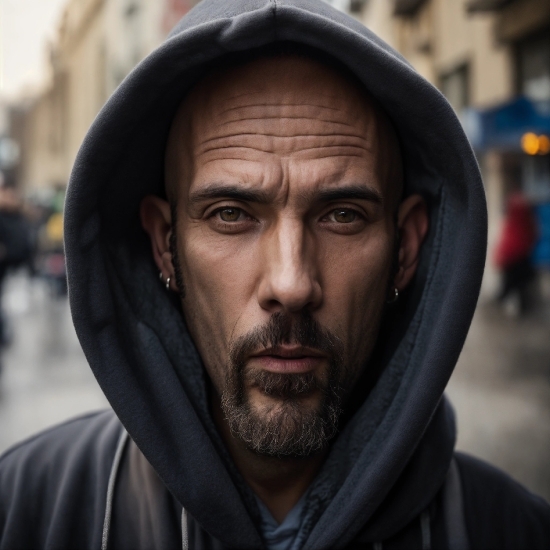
(390,471)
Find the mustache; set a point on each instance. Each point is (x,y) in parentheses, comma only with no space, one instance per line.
(281,329)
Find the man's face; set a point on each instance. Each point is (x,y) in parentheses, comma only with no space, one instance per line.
(284,243)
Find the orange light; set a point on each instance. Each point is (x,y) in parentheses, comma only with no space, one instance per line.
(530,143)
(544,145)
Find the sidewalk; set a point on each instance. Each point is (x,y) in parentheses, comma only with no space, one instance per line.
(501,393)
(45,378)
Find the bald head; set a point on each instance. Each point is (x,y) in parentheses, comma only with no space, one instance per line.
(287,106)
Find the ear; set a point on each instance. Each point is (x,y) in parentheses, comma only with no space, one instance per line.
(412,223)
(156,219)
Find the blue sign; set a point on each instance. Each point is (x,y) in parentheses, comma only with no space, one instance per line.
(502,127)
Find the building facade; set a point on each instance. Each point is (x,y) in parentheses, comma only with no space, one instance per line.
(491,59)
(98,43)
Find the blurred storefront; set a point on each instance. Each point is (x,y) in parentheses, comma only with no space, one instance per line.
(491,59)
(519,129)
(98,43)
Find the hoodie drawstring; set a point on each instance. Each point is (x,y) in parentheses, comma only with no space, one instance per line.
(111,489)
(425,529)
(184,533)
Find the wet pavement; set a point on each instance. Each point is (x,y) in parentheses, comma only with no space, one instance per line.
(500,389)
(501,393)
(45,378)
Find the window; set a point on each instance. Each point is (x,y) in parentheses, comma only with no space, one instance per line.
(533,66)
(455,86)
(407,7)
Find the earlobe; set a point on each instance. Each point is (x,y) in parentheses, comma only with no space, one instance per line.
(156,220)
(413,226)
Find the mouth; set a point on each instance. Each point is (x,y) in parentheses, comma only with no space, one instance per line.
(288,359)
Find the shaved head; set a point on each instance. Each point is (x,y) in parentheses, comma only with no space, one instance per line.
(271,89)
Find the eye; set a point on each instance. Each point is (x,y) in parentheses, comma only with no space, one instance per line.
(344,215)
(230,214)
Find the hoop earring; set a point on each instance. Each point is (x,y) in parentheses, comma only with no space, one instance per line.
(394,298)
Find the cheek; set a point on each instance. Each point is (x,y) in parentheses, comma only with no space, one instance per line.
(219,277)
(355,279)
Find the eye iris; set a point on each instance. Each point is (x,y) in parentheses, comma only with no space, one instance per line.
(344,216)
(229,214)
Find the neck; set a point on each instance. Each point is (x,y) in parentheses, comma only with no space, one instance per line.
(278,482)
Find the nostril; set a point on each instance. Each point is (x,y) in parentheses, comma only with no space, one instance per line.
(277,294)
(289,280)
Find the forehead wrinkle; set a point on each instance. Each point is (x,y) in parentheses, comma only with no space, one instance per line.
(290,154)
(288,136)
(348,154)
(277,106)
(262,91)
(349,123)
(282,111)
(251,118)
(243,159)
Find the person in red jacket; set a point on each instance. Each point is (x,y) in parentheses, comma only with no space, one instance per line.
(513,253)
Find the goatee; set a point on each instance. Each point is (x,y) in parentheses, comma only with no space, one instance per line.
(288,427)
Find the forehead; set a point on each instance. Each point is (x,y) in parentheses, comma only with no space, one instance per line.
(265,85)
(288,106)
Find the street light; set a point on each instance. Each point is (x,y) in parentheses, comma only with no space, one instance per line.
(532,144)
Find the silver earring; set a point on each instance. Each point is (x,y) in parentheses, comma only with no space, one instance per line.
(167,283)
(394,298)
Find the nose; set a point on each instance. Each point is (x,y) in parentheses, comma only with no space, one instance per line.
(290,278)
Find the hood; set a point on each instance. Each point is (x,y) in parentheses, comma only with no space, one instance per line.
(393,453)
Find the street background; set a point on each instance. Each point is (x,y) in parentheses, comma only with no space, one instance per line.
(61,59)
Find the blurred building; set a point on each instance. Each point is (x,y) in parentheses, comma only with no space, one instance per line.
(491,59)
(97,45)
(353,7)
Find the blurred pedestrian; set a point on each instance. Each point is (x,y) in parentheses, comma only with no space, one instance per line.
(15,244)
(514,249)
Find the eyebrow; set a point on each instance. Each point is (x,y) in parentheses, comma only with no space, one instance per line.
(218,191)
(360,192)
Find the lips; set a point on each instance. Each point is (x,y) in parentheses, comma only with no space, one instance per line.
(288,359)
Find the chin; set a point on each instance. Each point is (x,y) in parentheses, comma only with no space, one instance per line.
(269,405)
(284,427)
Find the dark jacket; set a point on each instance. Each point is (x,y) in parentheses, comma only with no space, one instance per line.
(391,479)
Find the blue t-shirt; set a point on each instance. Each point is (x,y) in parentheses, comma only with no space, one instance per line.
(281,536)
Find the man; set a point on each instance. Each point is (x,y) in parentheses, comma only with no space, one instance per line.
(15,246)
(275,240)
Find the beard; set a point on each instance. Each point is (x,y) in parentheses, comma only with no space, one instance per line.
(288,427)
